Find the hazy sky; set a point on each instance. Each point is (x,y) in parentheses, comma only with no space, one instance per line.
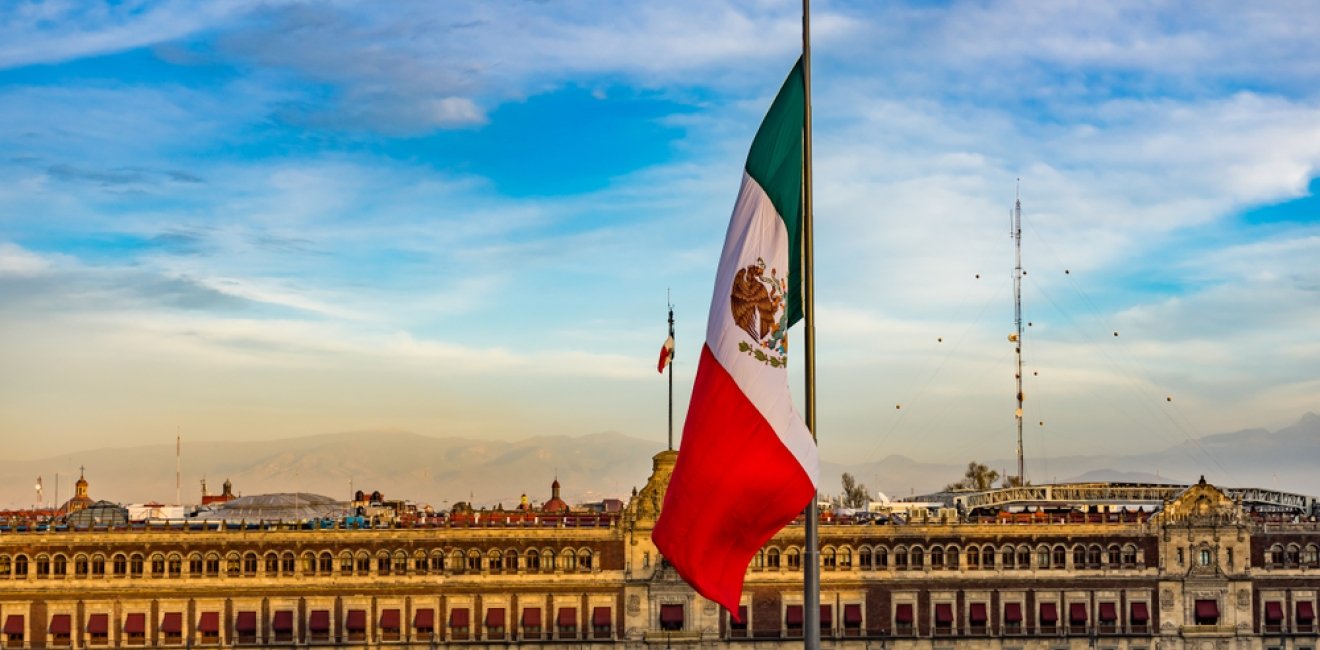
(269,219)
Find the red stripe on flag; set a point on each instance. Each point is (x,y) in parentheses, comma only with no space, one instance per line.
(734,486)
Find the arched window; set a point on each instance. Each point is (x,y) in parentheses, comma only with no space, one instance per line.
(901,558)
(917,557)
(1007,557)
(119,565)
(568,560)
(495,560)
(1275,556)
(1310,555)
(6,566)
(952,557)
(287,563)
(157,565)
(533,559)
(881,557)
(346,563)
(20,566)
(383,563)
(135,565)
(272,564)
(548,559)
(864,558)
(80,566)
(1042,558)
(233,562)
(988,557)
(793,558)
(362,563)
(772,558)
(212,564)
(437,560)
(511,560)
(1093,556)
(174,565)
(474,560)
(1060,560)
(326,562)
(194,565)
(1113,555)
(585,559)
(308,563)
(758,560)
(98,565)
(43,566)
(937,557)
(457,561)
(1023,557)
(1129,555)
(1294,555)
(1079,556)
(828,559)
(61,566)
(845,559)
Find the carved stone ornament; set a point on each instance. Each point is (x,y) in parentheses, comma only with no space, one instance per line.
(709,607)
(1166,600)
(634,604)
(1243,599)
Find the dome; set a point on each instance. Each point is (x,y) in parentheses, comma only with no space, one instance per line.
(283,506)
(101,513)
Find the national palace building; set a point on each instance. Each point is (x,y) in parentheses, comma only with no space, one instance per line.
(1078,566)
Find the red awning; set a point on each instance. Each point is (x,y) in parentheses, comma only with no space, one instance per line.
(531,617)
(210,622)
(356,621)
(495,617)
(246,623)
(98,624)
(424,619)
(568,616)
(903,613)
(283,621)
(135,624)
(172,623)
(1012,612)
(1108,613)
(389,619)
(944,613)
(1077,613)
(794,615)
(671,614)
(319,621)
(977,614)
(1049,614)
(852,615)
(1140,616)
(826,615)
(1273,612)
(1305,612)
(59,624)
(14,624)
(600,617)
(458,617)
(1207,609)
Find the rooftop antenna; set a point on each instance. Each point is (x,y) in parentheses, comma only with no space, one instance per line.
(669,299)
(1016,233)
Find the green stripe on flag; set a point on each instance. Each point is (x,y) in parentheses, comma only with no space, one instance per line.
(775,162)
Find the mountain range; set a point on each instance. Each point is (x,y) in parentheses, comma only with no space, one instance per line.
(441,471)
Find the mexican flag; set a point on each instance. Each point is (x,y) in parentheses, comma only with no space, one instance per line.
(747,465)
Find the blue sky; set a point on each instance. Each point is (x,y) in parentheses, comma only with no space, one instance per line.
(266,219)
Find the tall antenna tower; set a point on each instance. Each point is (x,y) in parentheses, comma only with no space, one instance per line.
(1016,336)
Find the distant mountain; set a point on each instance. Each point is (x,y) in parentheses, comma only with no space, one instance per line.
(438,471)
(1285,460)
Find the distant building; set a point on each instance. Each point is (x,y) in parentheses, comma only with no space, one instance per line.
(1035,568)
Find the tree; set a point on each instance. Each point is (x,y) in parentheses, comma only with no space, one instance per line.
(977,477)
(854,495)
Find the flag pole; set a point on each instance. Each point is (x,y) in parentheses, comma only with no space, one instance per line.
(671,373)
(811,568)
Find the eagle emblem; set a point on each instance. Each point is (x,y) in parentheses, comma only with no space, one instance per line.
(757,304)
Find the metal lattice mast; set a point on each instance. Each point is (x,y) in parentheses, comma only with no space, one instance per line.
(1016,233)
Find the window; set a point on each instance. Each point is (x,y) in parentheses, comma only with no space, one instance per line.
(1129,556)
(772,558)
(157,565)
(1115,556)
(346,564)
(98,565)
(988,558)
(793,620)
(135,565)
(1012,618)
(827,559)
(1182,560)
(61,566)
(511,560)
(568,560)
(1204,557)
(864,558)
(671,617)
(1024,557)
(400,563)
(212,565)
(20,566)
(900,558)
(903,619)
(1060,559)
(845,559)
(533,559)
(937,558)
(944,618)
(1207,612)
(43,566)
(794,559)
(917,558)
(250,564)
(120,563)
(474,561)
(175,565)
(287,563)
(881,557)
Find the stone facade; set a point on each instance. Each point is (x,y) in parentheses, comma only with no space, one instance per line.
(1198,575)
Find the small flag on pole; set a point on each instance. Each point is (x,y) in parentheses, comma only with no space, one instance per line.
(666,354)
(748,464)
